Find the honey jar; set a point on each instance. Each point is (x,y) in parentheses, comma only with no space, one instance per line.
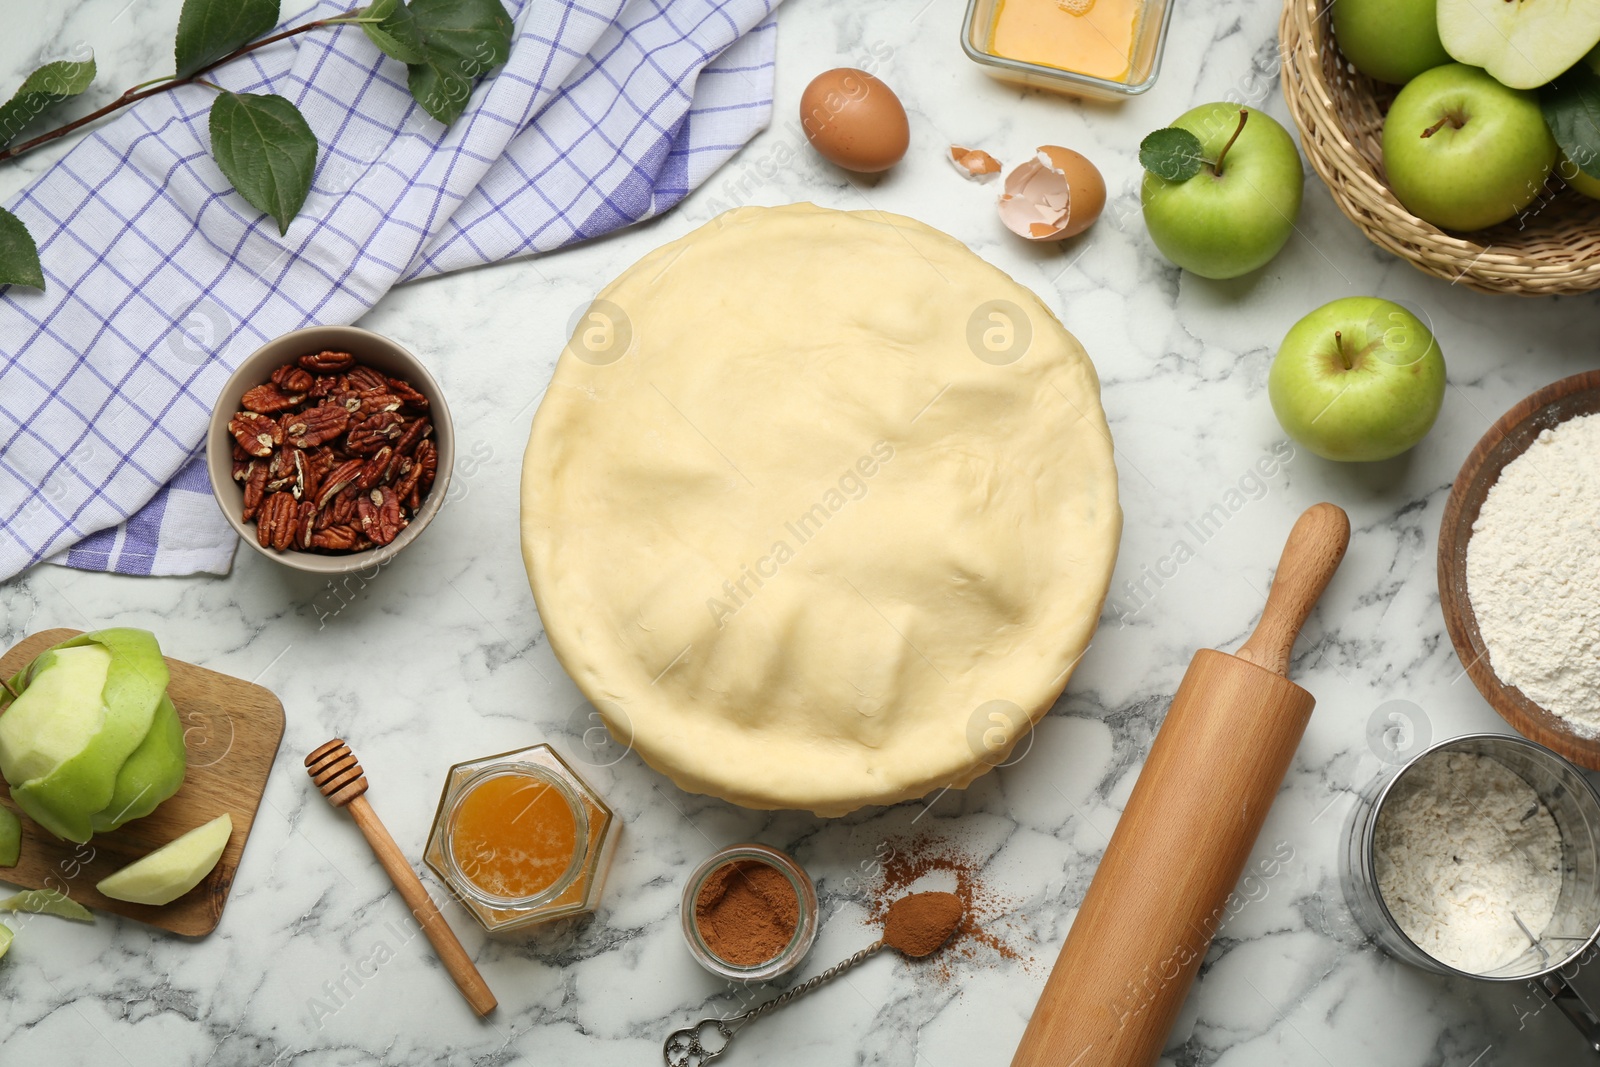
(520,839)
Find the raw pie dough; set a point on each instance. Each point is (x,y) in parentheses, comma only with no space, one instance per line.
(797,540)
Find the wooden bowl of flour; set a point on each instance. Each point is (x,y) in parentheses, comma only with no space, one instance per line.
(1506,440)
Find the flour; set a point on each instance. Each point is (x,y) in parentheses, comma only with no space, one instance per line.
(1462,843)
(1532,573)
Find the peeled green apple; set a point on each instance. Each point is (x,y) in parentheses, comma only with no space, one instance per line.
(1222,225)
(1463,151)
(47,902)
(92,740)
(173,869)
(1390,40)
(1358,379)
(1521,43)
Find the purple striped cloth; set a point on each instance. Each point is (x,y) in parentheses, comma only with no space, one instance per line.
(161,278)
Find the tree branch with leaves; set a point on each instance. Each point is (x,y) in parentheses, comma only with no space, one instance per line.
(260,141)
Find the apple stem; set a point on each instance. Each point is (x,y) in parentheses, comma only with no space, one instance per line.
(7,686)
(1338,344)
(1436,127)
(1244,115)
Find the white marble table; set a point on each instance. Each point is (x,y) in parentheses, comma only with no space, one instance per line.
(460,666)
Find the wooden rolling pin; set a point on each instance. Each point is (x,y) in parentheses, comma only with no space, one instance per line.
(334,769)
(1162,888)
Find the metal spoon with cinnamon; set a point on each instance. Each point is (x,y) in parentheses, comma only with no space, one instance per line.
(916,925)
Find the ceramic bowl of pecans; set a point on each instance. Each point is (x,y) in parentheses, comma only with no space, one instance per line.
(330,449)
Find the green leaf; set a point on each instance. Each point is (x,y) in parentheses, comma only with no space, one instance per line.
(19,256)
(1571,106)
(47,902)
(265,148)
(50,84)
(396,33)
(210,29)
(1172,153)
(463,39)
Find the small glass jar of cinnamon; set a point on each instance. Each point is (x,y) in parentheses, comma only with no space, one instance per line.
(749,913)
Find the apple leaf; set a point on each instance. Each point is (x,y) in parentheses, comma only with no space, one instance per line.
(1571,106)
(19,256)
(50,84)
(210,29)
(265,148)
(462,39)
(395,33)
(1172,153)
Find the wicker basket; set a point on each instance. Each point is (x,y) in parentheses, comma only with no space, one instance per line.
(1552,248)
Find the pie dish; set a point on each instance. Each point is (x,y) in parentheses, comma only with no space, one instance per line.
(820,509)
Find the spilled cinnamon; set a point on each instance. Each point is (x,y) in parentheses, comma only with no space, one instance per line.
(747,912)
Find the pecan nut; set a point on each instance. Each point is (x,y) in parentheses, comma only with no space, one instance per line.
(427,458)
(363,379)
(376,472)
(305,519)
(336,538)
(257,434)
(291,378)
(255,488)
(311,428)
(275,525)
(371,434)
(269,399)
(408,395)
(381,520)
(327,362)
(337,480)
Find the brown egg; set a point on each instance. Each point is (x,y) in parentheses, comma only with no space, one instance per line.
(854,120)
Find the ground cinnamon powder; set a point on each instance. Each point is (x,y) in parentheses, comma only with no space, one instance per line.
(747,911)
(922,922)
(985,933)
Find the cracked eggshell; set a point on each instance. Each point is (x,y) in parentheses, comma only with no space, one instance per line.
(1056,194)
(974,164)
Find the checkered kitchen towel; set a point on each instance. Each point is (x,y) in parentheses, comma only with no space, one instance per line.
(161,278)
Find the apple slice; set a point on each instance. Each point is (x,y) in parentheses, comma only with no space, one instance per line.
(10,838)
(47,902)
(5,940)
(173,869)
(1522,43)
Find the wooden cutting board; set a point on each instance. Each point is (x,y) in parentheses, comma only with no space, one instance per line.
(231,729)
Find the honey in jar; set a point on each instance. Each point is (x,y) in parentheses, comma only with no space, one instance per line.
(521,839)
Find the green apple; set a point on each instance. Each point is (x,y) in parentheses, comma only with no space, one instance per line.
(1521,43)
(151,774)
(1569,173)
(1358,379)
(89,741)
(57,714)
(173,869)
(5,940)
(1227,221)
(1390,40)
(1463,151)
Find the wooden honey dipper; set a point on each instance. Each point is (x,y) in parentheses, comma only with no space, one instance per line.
(335,770)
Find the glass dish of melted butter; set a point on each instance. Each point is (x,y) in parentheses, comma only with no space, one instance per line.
(1108,49)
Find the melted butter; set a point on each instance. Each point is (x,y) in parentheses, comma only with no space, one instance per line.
(1093,37)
